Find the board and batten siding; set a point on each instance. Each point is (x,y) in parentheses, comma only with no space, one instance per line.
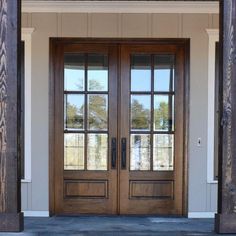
(202,196)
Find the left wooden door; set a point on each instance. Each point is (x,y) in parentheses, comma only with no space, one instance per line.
(85,128)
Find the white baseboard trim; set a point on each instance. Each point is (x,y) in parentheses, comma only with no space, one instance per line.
(201,214)
(36,213)
(190,214)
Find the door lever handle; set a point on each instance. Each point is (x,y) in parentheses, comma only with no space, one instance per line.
(113,153)
(123,153)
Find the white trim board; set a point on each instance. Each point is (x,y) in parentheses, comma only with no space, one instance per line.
(201,214)
(120,7)
(190,214)
(213,35)
(36,213)
(26,36)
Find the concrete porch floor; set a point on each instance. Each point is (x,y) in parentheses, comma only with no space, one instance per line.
(116,226)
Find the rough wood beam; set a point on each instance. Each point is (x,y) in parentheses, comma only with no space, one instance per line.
(225,221)
(11,218)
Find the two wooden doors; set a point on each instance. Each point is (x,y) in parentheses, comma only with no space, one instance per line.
(118,132)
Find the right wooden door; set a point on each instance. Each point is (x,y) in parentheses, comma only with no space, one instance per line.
(151,121)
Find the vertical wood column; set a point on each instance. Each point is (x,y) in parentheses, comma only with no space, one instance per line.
(225,221)
(11,218)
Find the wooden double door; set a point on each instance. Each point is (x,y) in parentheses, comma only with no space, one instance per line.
(118,127)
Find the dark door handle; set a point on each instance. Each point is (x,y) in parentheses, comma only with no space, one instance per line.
(113,153)
(123,153)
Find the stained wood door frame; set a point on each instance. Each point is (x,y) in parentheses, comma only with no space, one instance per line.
(184,43)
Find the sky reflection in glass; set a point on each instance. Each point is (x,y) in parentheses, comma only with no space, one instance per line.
(74,79)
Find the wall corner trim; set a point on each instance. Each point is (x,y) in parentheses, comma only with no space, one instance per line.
(207,7)
(213,36)
(201,214)
(26,36)
(36,213)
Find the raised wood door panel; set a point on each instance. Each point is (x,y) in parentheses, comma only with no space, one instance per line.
(152,124)
(85,126)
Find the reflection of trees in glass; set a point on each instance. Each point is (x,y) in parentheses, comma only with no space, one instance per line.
(140,115)
(161,115)
(140,155)
(98,112)
(97,108)
(74,77)
(163,151)
(75,116)
(74,152)
(95,85)
(97,151)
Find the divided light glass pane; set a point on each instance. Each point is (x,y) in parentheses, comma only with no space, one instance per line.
(97,72)
(74,111)
(73,151)
(140,72)
(140,149)
(97,150)
(140,112)
(74,72)
(163,152)
(164,73)
(164,112)
(97,112)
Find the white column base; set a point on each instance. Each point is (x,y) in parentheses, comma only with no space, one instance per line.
(201,214)
(36,213)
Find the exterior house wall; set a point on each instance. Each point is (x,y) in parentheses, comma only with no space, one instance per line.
(202,196)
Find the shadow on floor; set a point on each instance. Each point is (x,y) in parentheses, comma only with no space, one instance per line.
(116,226)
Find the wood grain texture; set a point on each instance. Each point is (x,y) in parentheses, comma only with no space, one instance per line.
(229,188)
(170,200)
(3,104)
(226,217)
(84,194)
(171,204)
(11,219)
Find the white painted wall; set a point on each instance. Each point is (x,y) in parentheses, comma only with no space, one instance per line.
(202,195)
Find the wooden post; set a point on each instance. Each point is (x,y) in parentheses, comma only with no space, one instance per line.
(11,218)
(225,220)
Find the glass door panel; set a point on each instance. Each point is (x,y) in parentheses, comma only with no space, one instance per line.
(140,72)
(140,152)
(164,69)
(86,98)
(74,151)
(74,72)
(152,112)
(163,154)
(140,112)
